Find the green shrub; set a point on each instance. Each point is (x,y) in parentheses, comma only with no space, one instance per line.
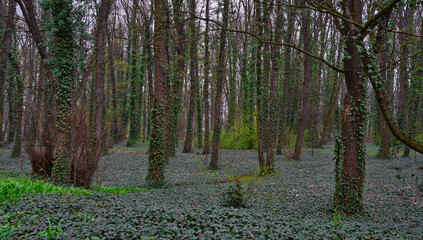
(241,136)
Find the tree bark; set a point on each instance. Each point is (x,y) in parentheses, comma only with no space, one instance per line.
(156,161)
(206,148)
(64,54)
(4,54)
(100,61)
(219,85)
(179,77)
(273,108)
(306,81)
(193,82)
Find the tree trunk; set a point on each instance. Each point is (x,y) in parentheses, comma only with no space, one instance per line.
(285,91)
(134,134)
(273,108)
(16,152)
(179,77)
(98,101)
(206,148)
(307,72)
(385,133)
(4,54)
(219,85)
(156,161)
(64,54)
(193,82)
(259,85)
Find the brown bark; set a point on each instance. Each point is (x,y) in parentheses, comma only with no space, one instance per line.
(385,133)
(306,81)
(285,90)
(100,60)
(273,113)
(156,159)
(219,85)
(206,147)
(332,106)
(179,78)
(4,54)
(259,90)
(350,155)
(193,83)
(28,12)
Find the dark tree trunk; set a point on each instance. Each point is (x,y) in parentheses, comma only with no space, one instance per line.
(259,85)
(179,77)
(98,101)
(156,161)
(193,82)
(4,54)
(16,152)
(273,108)
(64,54)
(219,85)
(306,81)
(114,97)
(385,133)
(206,148)
(285,90)
(134,134)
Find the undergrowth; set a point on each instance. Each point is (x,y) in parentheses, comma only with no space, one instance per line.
(12,188)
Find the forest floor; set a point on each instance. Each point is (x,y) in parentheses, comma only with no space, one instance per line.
(294,203)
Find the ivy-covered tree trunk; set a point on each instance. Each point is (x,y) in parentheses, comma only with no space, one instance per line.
(149,65)
(217,122)
(305,33)
(206,148)
(350,147)
(259,87)
(193,81)
(16,152)
(232,60)
(62,11)
(4,54)
(178,78)
(114,97)
(134,134)
(156,161)
(286,79)
(273,107)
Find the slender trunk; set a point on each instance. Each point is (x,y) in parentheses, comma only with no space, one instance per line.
(193,82)
(4,54)
(100,61)
(16,152)
(219,85)
(259,86)
(273,108)
(385,133)
(285,90)
(112,77)
(206,148)
(307,72)
(178,79)
(134,134)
